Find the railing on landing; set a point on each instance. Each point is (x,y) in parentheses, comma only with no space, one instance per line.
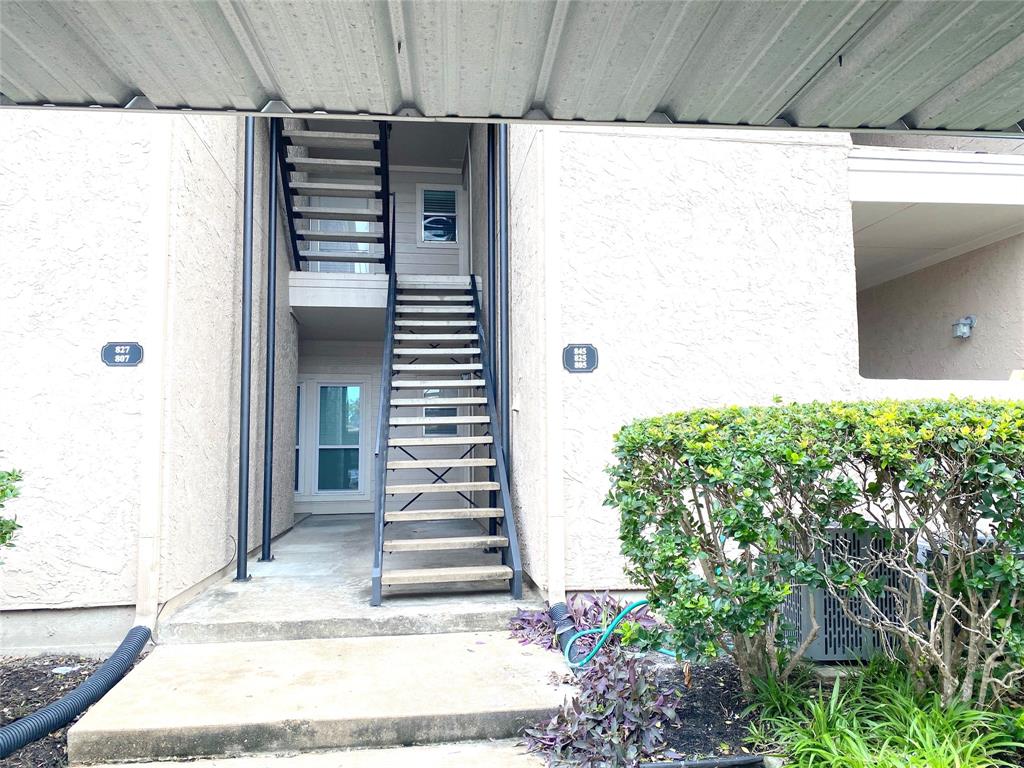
(277,127)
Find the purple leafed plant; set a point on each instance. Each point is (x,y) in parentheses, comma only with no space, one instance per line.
(588,611)
(533,628)
(616,720)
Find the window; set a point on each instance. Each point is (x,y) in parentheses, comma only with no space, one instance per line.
(439,430)
(439,214)
(298,432)
(339,419)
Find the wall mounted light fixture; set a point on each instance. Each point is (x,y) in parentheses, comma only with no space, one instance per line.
(962,327)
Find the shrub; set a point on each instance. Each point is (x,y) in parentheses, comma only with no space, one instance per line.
(725,511)
(616,719)
(8,490)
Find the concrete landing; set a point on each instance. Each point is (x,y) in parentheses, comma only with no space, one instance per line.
(473,754)
(318,586)
(224,699)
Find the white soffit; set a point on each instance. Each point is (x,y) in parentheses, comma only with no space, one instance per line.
(942,65)
(892,239)
(881,174)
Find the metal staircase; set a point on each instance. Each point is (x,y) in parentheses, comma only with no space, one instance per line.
(435,357)
(338,199)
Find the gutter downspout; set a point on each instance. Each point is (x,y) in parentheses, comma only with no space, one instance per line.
(547,142)
(158,327)
(268,419)
(242,542)
(491,241)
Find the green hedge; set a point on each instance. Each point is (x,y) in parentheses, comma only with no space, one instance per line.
(724,510)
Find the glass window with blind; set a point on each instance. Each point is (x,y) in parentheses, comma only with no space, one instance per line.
(439,214)
(338,428)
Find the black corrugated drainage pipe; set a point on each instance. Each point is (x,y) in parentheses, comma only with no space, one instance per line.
(61,712)
(565,628)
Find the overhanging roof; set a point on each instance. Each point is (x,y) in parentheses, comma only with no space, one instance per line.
(938,65)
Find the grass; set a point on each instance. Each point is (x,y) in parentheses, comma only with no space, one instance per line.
(877,720)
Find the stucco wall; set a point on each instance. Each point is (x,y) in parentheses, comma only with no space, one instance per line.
(127,228)
(202,370)
(906,324)
(75,218)
(531,470)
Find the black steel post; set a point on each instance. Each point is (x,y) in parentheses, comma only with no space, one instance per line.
(268,419)
(491,317)
(503,365)
(241,572)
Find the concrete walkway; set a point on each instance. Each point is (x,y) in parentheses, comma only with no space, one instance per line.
(471,754)
(226,699)
(318,586)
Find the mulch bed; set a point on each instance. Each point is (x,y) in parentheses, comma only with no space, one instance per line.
(30,683)
(711,721)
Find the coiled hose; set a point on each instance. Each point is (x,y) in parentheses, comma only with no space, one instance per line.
(567,648)
(64,710)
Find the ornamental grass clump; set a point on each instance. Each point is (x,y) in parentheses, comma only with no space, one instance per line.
(724,512)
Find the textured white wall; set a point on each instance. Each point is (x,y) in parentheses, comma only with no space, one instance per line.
(530,469)
(95,207)
(75,217)
(906,324)
(202,371)
(708,267)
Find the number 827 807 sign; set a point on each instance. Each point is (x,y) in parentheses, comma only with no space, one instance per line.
(121,354)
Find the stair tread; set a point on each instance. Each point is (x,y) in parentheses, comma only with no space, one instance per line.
(478,485)
(416,421)
(329,189)
(435,383)
(456,298)
(458,513)
(326,138)
(342,258)
(336,214)
(444,543)
(408,402)
(436,323)
(339,237)
(409,442)
(467,337)
(416,309)
(440,463)
(332,162)
(412,367)
(438,575)
(438,351)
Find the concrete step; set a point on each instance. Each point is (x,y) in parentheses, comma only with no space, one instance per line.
(444,544)
(207,700)
(441,487)
(440,463)
(505,753)
(425,515)
(409,442)
(463,573)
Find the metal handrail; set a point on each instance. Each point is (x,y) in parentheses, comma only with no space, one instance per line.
(277,125)
(508,520)
(380,450)
(385,197)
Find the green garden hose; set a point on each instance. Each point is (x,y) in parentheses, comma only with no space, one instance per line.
(605,634)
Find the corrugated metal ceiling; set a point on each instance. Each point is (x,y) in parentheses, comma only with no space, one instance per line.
(951,65)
